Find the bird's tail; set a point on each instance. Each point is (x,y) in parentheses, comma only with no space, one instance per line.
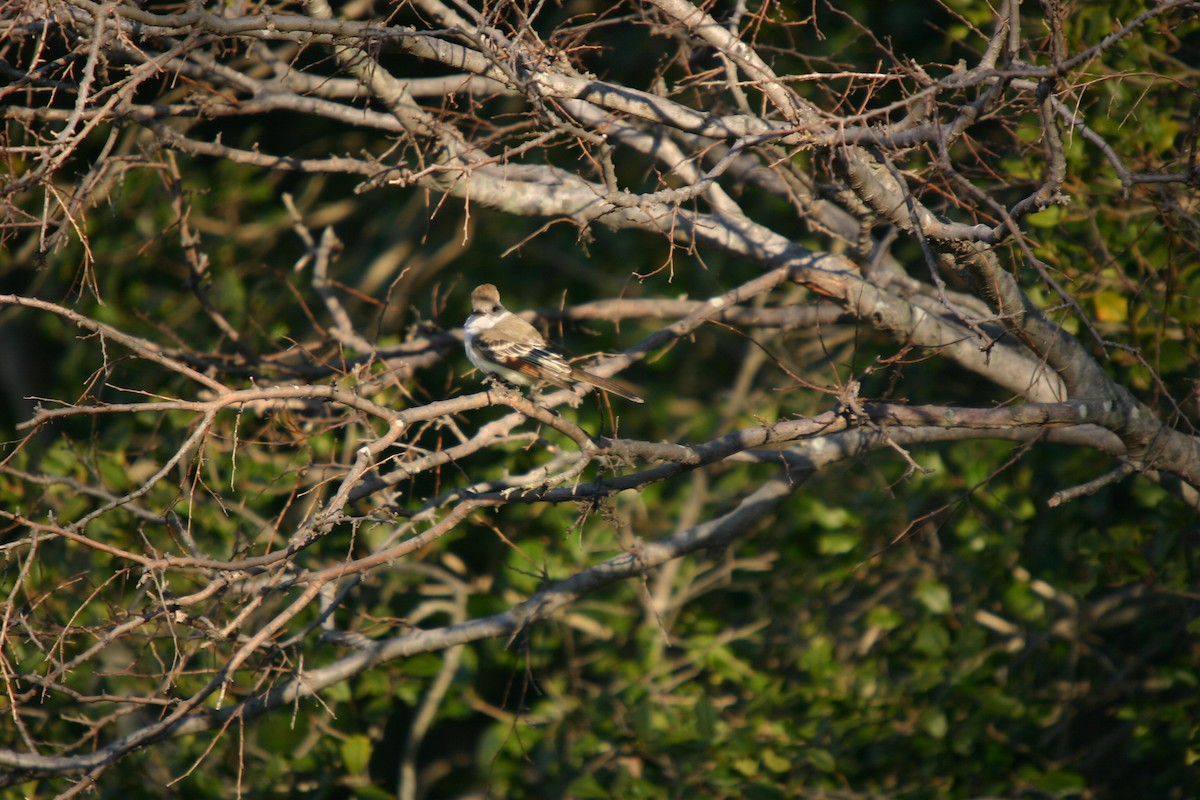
(605,384)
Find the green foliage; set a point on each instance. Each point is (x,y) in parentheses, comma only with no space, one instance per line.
(916,636)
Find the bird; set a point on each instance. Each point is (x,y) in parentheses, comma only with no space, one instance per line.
(503,345)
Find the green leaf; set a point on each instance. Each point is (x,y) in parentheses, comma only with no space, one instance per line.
(706,719)
(775,762)
(837,542)
(932,639)
(588,788)
(934,722)
(1110,306)
(884,617)
(830,518)
(821,759)
(356,753)
(1061,783)
(934,596)
(1047,218)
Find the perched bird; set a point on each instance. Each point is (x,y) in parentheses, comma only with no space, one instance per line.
(501,343)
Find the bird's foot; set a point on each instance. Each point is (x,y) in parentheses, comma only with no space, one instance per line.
(500,386)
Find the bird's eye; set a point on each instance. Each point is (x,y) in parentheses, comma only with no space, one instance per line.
(495,308)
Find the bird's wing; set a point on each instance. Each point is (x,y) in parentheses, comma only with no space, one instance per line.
(537,361)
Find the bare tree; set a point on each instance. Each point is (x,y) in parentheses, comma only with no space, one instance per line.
(524,109)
